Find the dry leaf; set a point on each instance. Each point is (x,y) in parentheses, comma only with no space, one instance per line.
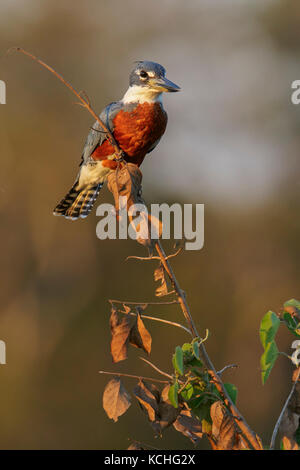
(167,414)
(156,405)
(159,275)
(289,424)
(116,400)
(289,444)
(189,426)
(148,397)
(120,331)
(291,417)
(140,336)
(126,183)
(224,430)
(127,309)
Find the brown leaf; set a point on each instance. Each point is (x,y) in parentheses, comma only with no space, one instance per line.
(291,417)
(120,331)
(217,415)
(127,309)
(126,183)
(156,405)
(224,429)
(167,414)
(148,397)
(189,426)
(116,400)
(289,444)
(140,336)
(159,275)
(289,424)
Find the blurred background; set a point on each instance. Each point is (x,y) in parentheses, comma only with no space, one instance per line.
(232,143)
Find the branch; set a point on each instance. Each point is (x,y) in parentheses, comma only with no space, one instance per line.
(162,320)
(119,374)
(126,302)
(180,294)
(249,435)
(272,444)
(154,258)
(230,366)
(156,368)
(83,101)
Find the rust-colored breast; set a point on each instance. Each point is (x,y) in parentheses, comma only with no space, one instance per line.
(136,132)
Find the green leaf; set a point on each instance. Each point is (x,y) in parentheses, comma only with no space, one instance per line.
(173,394)
(195,363)
(292,324)
(203,410)
(187,392)
(268,328)
(178,360)
(196,350)
(232,391)
(267,360)
(186,347)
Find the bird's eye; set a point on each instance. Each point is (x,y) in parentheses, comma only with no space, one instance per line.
(143,74)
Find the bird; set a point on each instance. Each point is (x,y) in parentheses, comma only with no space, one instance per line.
(137,123)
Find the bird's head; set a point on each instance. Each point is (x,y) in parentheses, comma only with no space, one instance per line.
(152,76)
(147,81)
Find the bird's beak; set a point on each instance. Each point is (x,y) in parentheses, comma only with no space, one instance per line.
(163,84)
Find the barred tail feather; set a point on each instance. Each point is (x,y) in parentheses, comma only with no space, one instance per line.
(78,203)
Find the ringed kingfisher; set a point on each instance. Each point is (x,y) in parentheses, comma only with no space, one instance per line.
(137,123)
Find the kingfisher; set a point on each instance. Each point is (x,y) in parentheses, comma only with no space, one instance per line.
(137,123)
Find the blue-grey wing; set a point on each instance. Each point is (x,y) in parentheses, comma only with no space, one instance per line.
(97,135)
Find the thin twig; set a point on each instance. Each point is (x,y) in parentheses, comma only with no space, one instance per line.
(143,258)
(127,302)
(180,295)
(83,101)
(162,320)
(153,258)
(230,366)
(119,374)
(156,368)
(276,428)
